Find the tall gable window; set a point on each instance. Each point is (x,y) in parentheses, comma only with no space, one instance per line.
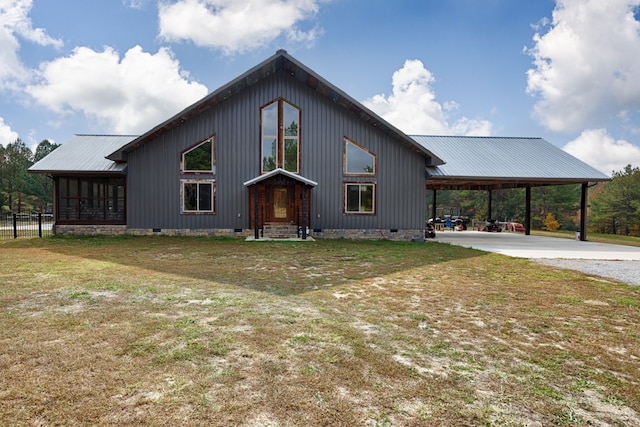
(280,124)
(359,197)
(198,186)
(357,160)
(199,159)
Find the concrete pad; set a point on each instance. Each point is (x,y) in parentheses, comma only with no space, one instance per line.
(520,246)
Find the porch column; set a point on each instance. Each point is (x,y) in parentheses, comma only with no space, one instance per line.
(305,209)
(256,233)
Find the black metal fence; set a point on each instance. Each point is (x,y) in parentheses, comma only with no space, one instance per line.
(35,224)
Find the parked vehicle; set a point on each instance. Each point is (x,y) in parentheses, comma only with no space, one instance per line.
(516,227)
(491,226)
(429,231)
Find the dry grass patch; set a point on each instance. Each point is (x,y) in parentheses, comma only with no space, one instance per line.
(187,331)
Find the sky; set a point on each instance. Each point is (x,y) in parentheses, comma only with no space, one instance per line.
(567,71)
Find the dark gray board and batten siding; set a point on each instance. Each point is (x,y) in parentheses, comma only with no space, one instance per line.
(154,187)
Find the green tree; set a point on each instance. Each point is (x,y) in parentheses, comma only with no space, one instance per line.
(562,200)
(615,205)
(16,159)
(42,186)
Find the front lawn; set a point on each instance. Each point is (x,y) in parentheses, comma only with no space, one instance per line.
(167,331)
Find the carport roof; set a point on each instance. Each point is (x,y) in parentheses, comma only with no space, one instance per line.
(482,163)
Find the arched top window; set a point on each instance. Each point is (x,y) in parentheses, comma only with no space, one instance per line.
(280,146)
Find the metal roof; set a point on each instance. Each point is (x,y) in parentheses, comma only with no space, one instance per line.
(281,62)
(502,162)
(84,154)
(280,171)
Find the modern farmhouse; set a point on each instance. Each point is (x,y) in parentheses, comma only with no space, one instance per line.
(281,152)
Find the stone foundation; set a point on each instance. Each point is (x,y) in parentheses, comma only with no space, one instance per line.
(353,234)
(89,230)
(370,234)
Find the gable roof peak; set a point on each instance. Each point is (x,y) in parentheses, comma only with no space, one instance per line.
(281,62)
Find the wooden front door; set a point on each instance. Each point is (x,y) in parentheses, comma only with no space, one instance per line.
(280,209)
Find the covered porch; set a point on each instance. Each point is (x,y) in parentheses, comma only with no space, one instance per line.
(279,205)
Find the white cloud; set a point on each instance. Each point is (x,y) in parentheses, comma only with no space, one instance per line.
(14,23)
(236,26)
(586,64)
(412,106)
(129,95)
(7,135)
(598,149)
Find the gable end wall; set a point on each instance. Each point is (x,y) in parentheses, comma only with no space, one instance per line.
(154,175)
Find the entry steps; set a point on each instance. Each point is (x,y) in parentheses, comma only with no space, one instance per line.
(280,231)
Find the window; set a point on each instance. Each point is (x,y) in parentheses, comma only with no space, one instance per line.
(198,195)
(357,160)
(360,198)
(199,159)
(280,146)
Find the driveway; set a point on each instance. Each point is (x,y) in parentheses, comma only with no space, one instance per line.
(601,259)
(521,246)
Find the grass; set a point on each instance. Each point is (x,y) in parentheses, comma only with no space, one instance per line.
(614,239)
(192,331)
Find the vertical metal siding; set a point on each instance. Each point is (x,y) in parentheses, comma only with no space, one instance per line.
(154,175)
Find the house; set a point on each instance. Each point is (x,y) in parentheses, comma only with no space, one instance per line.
(277,152)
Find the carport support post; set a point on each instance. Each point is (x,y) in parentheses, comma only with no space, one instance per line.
(433,207)
(583,212)
(489,205)
(527,211)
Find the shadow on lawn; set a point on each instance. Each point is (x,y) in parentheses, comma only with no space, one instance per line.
(276,267)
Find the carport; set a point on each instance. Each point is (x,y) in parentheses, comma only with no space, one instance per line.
(496,163)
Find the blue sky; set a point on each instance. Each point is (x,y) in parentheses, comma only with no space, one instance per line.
(564,70)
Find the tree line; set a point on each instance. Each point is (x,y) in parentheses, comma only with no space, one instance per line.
(614,206)
(20,191)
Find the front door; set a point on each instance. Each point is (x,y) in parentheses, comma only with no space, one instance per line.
(280,208)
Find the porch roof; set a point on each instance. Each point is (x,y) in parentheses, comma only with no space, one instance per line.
(280,171)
